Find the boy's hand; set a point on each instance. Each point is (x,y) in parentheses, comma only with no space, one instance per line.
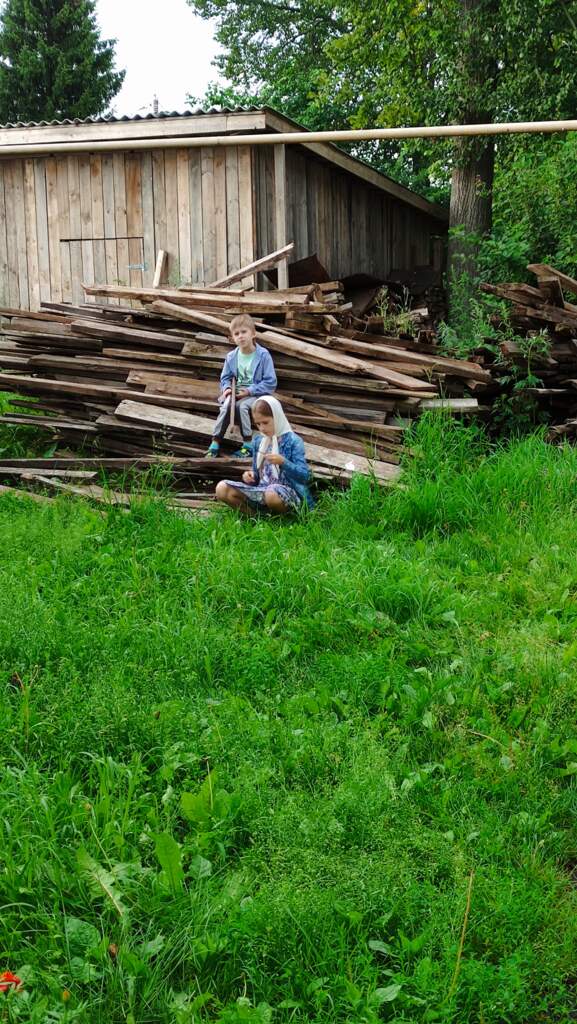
(243,393)
(224,395)
(249,477)
(274,459)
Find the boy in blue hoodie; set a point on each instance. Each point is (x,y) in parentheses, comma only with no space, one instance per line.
(252,367)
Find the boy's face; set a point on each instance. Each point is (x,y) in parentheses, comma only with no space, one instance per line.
(244,338)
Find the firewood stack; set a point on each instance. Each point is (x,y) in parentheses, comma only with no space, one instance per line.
(135,383)
(543,352)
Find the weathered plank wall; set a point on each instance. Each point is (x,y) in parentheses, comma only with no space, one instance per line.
(353,227)
(103,217)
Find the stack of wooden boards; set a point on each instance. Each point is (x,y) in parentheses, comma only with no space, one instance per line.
(543,349)
(136,383)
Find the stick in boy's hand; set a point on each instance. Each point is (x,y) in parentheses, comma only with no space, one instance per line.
(232,401)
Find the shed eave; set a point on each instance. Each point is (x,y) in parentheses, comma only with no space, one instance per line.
(123,131)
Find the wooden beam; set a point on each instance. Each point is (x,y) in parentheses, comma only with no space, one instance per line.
(253,268)
(160,268)
(16,492)
(543,270)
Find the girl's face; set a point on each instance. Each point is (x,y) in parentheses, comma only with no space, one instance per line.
(264,424)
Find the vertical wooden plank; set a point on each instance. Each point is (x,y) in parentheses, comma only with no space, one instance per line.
(119,195)
(76,271)
(376,233)
(300,201)
(31,235)
(19,214)
(312,206)
(108,204)
(321,203)
(232,210)
(261,205)
(66,272)
(109,215)
(183,198)
(269,200)
(42,230)
(220,211)
(134,217)
(86,250)
(85,197)
(336,241)
(11,236)
(148,218)
(97,205)
(74,197)
(63,189)
(341,225)
(208,216)
(122,261)
(99,255)
(289,207)
(280,209)
(122,258)
(53,229)
(159,196)
(195,181)
(4,289)
(96,196)
(88,276)
(111,258)
(171,192)
(135,260)
(246,208)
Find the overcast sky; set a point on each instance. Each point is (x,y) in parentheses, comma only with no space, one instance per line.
(165,49)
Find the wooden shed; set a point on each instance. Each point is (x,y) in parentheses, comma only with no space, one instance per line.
(71,213)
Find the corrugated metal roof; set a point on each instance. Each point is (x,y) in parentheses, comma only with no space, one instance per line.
(111,119)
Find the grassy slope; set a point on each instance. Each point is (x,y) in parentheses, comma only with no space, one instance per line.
(384,698)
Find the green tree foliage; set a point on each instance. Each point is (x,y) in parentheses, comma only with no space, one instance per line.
(277,54)
(409,62)
(53,63)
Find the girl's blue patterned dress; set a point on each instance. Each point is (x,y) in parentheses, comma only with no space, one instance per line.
(254,493)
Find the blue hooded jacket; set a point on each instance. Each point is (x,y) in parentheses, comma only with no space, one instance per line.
(294,471)
(263,373)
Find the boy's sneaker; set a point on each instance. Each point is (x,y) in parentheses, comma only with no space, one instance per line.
(244,452)
(213,451)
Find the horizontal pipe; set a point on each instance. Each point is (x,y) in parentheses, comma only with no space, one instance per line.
(302,137)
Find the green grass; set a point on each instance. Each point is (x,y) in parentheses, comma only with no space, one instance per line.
(261,760)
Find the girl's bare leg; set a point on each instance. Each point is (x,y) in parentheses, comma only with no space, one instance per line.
(230,496)
(274,503)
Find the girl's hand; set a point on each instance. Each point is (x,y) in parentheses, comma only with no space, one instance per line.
(249,477)
(275,460)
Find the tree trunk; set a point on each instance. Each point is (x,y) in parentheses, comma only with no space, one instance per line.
(470,217)
(473,158)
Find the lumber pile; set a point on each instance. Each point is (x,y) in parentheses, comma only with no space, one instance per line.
(543,351)
(135,384)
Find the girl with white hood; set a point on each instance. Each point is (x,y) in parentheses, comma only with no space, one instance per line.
(278,479)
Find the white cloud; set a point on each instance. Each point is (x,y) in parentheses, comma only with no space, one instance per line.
(165,49)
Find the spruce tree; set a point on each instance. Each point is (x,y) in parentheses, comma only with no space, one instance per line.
(53,63)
